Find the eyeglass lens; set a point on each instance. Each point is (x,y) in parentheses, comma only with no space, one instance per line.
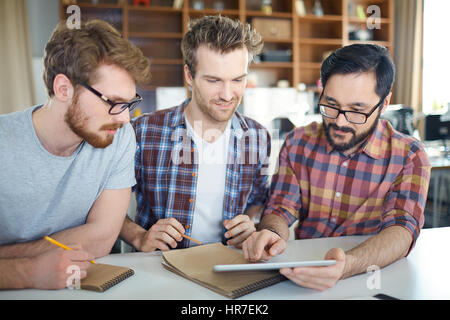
(333,113)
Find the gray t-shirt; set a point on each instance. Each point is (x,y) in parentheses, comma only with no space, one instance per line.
(41,193)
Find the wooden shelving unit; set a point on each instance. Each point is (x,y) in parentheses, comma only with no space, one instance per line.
(158,29)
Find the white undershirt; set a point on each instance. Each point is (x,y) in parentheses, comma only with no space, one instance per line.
(207,223)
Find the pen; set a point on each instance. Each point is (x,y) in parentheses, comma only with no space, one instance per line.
(59,244)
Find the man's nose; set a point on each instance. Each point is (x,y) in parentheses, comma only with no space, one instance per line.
(226,92)
(341,120)
(123,117)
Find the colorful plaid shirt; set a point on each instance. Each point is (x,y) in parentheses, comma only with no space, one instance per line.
(166,168)
(384,183)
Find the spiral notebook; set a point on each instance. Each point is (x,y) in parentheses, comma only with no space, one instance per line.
(101,277)
(196,264)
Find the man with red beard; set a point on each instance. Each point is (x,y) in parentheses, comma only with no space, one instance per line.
(67,166)
(201,167)
(353,174)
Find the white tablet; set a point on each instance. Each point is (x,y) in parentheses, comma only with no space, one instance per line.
(272,265)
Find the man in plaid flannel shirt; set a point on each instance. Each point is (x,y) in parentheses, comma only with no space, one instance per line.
(354,174)
(201,167)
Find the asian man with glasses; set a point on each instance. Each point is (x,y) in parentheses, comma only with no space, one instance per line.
(352,174)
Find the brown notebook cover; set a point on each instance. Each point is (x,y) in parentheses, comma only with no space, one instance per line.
(196,264)
(101,277)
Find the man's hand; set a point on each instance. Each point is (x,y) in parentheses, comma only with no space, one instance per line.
(319,278)
(263,245)
(238,229)
(49,270)
(163,235)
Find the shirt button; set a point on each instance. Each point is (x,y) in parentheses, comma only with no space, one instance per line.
(338,194)
(345,164)
(191,200)
(333,219)
(193,174)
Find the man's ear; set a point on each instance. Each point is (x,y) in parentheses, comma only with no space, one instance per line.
(63,88)
(386,102)
(188,75)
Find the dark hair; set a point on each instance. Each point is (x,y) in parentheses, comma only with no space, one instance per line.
(358,58)
(221,34)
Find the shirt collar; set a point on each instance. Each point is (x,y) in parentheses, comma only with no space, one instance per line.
(374,147)
(178,118)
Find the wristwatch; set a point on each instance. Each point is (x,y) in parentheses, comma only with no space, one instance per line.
(273,230)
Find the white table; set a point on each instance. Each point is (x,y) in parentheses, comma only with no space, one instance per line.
(424,274)
(440,175)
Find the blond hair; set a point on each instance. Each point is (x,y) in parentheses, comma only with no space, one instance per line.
(221,34)
(77,53)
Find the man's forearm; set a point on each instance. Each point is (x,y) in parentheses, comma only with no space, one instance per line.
(93,238)
(131,233)
(380,250)
(254,212)
(25,249)
(14,273)
(278,224)
(89,236)
(96,236)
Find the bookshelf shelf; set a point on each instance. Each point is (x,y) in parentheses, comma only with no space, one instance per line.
(158,29)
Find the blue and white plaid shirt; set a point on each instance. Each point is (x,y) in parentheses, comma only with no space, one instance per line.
(166,168)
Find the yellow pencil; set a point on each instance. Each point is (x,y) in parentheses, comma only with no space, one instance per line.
(59,244)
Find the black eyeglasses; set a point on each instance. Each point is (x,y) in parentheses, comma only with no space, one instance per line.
(351,116)
(116,107)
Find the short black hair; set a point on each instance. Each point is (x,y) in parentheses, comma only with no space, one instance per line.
(359,58)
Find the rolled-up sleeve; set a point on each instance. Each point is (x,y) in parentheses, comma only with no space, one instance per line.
(405,203)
